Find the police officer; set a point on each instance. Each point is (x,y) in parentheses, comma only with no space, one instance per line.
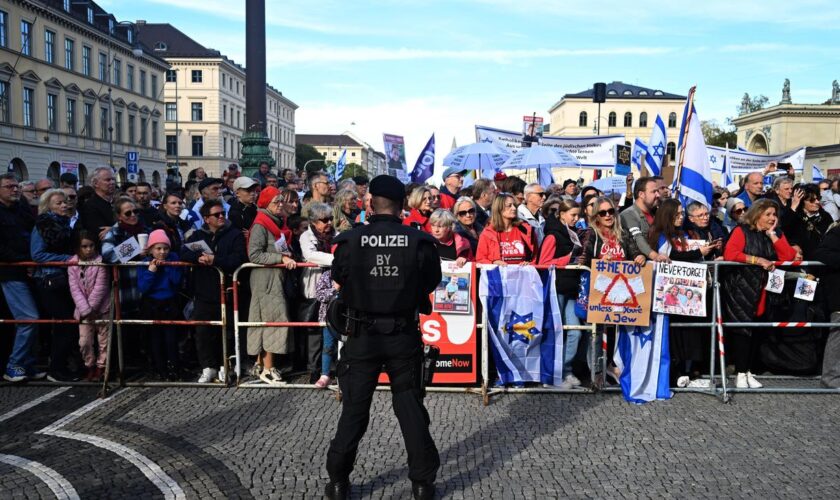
(386,272)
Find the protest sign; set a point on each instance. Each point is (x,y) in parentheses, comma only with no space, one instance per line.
(680,288)
(452,294)
(744,162)
(591,152)
(619,293)
(395,154)
(805,289)
(128,249)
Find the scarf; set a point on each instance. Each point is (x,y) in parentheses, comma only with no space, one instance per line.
(55,231)
(323,241)
(131,230)
(270,222)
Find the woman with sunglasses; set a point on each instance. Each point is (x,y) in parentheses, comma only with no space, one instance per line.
(466,224)
(735,210)
(808,222)
(269,244)
(176,228)
(507,239)
(420,203)
(700,224)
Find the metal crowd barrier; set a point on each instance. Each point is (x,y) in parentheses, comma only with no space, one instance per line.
(115,319)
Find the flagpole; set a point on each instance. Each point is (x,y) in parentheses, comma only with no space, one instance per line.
(684,138)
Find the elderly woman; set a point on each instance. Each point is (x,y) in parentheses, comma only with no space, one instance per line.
(466,223)
(316,246)
(808,222)
(506,239)
(745,299)
(420,204)
(450,245)
(51,242)
(345,209)
(734,211)
(701,225)
(268,244)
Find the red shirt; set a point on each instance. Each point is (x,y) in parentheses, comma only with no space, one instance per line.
(513,246)
(418,220)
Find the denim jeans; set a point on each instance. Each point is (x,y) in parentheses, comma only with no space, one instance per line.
(22,305)
(567,307)
(328,352)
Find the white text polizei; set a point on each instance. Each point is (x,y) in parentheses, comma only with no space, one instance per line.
(385,240)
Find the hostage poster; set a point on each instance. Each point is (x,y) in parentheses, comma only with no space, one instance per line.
(680,288)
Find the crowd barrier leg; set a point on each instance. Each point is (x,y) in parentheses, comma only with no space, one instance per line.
(235,299)
(592,354)
(118,318)
(719,320)
(105,376)
(485,361)
(712,333)
(222,303)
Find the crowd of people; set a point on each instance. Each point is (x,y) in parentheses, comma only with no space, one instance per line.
(292,217)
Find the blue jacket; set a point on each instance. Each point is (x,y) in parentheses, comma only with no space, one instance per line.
(163,284)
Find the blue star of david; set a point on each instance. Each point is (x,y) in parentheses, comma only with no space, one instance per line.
(487,139)
(643,338)
(658,150)
(713,159)
(637,155)
(516,319)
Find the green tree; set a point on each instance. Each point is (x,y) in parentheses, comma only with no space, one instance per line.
(305,153)
(716,135)
(352,170)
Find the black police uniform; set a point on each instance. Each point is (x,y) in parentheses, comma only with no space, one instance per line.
(386,271)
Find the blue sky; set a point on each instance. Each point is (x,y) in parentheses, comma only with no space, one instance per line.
(414,67)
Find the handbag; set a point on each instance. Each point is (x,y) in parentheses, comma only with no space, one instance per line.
(53,282)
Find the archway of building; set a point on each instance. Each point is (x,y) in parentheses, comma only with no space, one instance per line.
(758,144)
(18,167)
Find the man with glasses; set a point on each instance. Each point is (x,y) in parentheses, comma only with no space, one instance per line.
(227,244)
(16,223)
(319,188)
(143,196)
(97,214)
(636,219)
(72,212)
(210,189)
(531,210)
(453,179)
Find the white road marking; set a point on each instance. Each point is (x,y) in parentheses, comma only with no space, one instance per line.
(168,486)
(35,402)
(61,488)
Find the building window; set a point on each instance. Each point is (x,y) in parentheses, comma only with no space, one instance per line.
(197,76)
(71,116)
(237,87)
(582,119)
(90,15)
(49,46)
(611,119)
(69,53)
(154,134)
(171,76)
(103,66)
(161,47)
(224,147)
(86,61)
(52,125)
(4,28)
(117,81)
(197,111)
(26,38)
(237,118)
(103,123)
(67,5)
(643,119)
(143,123)
(118,126)
(672,120)
(142,82)
(171,111)
(88,116)
(4,102)
(171,145)
(131,134)
(129,77)
(153,86)
(28,95)
(197,145)
(224,113)
(671,149)
(224,79)
(628,119)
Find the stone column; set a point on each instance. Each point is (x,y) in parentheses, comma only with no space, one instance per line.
(255,141)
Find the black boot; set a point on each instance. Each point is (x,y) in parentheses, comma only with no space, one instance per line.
(422,490)
(337,490)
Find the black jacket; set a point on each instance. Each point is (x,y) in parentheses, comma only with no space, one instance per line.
(568,280)
(16,223)
(228,245)
(807,232)
(242,216)
(828,252)
(96,213)
(743,285)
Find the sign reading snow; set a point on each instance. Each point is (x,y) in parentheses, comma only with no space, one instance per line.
(619,293)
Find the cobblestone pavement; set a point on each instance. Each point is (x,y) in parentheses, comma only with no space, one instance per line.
(256,443)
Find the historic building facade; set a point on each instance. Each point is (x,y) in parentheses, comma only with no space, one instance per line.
(358,151)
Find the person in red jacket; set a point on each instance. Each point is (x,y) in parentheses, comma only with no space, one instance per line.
(420,208)
(450,245)
(506,239)
(453,180)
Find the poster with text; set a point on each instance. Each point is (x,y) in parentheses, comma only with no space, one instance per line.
(452,294)
(680,288)
(619,293)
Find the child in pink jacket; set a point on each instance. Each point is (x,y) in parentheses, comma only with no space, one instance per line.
(90,288)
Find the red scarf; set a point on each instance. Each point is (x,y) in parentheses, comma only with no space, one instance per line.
(267,222)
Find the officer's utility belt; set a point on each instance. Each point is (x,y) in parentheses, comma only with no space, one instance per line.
(375,324)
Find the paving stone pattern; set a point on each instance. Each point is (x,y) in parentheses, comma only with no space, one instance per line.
(254,443)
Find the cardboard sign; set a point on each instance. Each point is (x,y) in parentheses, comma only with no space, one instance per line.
(805,289)
(200,246)
(680,288)
(619,293)
(775,281)
(128,249)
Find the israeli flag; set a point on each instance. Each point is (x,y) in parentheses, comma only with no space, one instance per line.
(524,324)
(339,167)
(639,153)
(425,165)
(695,174)
(724,170)
(643,358)
(816,174)
(657,147)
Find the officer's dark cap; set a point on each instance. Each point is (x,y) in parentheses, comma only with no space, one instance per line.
(387,186)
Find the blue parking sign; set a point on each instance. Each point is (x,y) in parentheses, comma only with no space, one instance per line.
(132,166)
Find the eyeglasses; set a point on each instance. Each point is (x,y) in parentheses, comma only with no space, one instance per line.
(71,196)
(739,211)
(12,187)
(218,215)
(604,213)
(464,213)
(541,195)
(704,215)
(325,220)
(131,213)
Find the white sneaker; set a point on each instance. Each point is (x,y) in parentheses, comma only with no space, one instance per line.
(700,383)
(683,381)
(752,382)
(207,375)
(572,381)
(222,375)
(272,377)
(741,381)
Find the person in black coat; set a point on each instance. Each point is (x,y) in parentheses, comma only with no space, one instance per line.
(828,252)
(809,222)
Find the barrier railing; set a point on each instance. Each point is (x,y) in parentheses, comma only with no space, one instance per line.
(115,320)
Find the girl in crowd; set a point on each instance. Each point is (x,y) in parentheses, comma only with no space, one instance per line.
(561,245)
(450,245)
(745,299)
(345,209)
(466,225)
(90,287)
(420,204)
(159,285)
(268,243)
(506,239)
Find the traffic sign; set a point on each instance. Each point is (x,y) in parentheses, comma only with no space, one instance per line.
(132,166)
